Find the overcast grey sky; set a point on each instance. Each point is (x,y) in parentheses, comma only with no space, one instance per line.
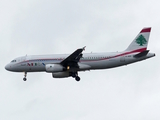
(51,26)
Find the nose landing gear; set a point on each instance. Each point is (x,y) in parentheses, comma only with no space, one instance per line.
(25,75)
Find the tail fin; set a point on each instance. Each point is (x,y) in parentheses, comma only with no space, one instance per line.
(140,43)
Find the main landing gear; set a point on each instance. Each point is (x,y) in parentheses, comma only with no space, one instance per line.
(75,75)
(77,78)
(25,75)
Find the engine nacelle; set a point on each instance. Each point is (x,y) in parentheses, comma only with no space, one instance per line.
(60,74)
(54,68)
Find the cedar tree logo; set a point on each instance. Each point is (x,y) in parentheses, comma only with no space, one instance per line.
(141,40)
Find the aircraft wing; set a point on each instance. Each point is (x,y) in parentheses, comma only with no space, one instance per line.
(73,59)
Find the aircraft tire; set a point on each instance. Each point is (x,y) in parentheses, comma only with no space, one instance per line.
(24,79)
(77,78)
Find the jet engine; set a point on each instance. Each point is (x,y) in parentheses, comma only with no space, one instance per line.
(60,74)
(54,68)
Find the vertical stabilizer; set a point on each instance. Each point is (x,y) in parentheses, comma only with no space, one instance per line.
(140,43)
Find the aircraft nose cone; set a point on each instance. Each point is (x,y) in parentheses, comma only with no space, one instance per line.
(7,67)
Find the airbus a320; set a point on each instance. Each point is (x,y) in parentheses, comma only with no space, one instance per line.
(68,65)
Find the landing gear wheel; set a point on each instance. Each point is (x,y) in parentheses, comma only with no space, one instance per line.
(77,78)
(74,74)
(24,79)
(25,75)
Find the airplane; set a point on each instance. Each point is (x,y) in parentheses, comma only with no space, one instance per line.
(68,65)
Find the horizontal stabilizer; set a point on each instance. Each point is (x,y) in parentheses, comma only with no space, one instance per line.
(144,53)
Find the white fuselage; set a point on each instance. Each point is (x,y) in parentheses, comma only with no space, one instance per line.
(37,63)
(66,65)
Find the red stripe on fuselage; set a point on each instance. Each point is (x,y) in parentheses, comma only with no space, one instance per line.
(134,51)
(126,53)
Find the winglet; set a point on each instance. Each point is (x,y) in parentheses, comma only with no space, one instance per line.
(84,48)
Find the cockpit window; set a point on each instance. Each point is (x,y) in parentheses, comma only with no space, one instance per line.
(13,61)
